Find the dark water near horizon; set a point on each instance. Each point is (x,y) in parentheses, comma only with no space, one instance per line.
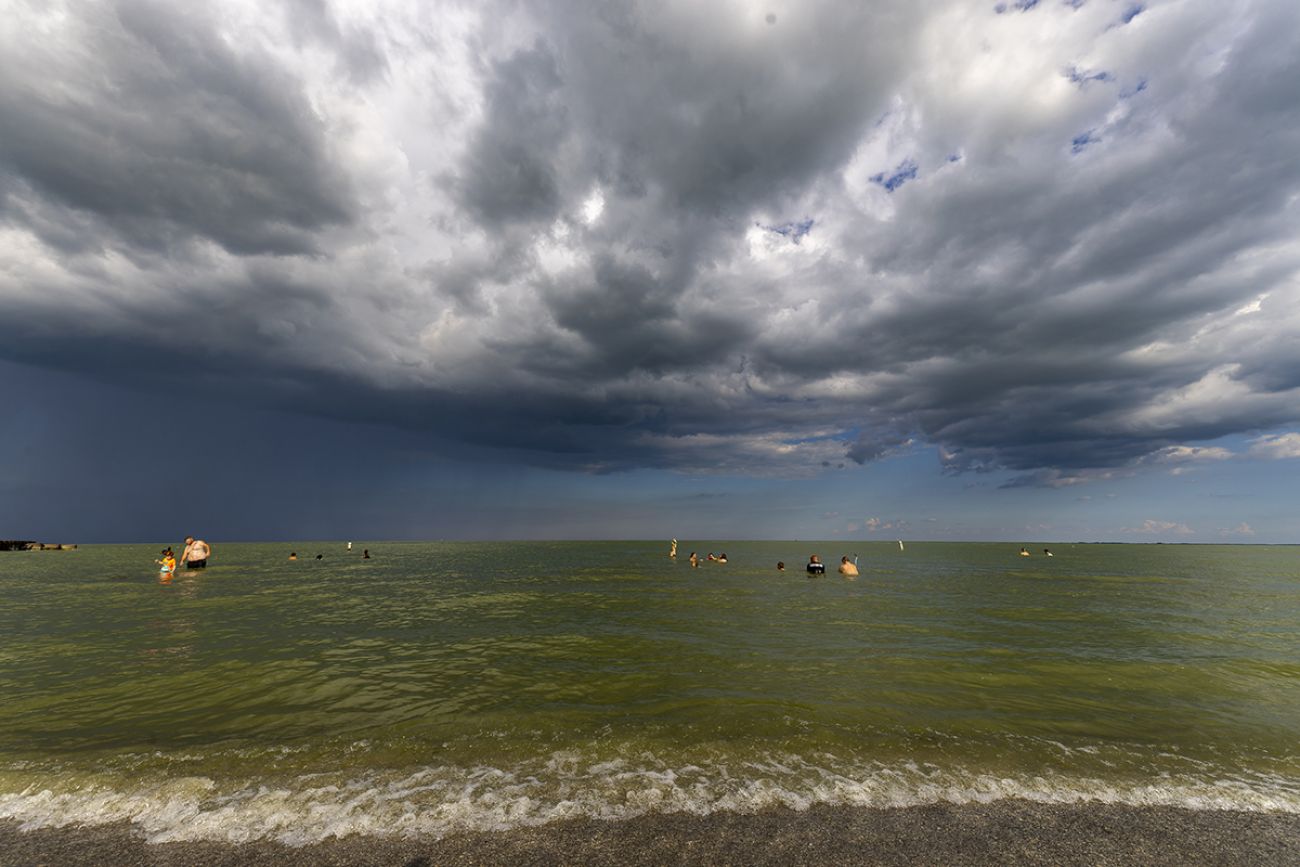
(441,687)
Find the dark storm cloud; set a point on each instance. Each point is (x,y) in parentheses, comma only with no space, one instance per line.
(708,239)
(507,175)
(140,120)
(357,51)
(716,113)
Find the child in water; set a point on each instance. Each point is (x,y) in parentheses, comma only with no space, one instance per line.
(168,562)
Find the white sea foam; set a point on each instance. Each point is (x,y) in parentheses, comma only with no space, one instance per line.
(437,801)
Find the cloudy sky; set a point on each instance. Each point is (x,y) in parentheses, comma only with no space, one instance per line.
(926,269)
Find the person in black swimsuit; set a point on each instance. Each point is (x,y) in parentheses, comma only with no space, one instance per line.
(196,553)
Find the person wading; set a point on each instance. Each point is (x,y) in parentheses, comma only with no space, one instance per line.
(196,553)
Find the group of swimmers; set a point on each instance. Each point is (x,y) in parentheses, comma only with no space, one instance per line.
(848,568)
(194,556)
(365,554)
(197,552)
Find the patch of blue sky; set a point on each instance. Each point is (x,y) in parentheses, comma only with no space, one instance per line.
(1135,90)
(954,158)
(1075,4)
(793,230)
(1132,12)
(1082,77)
(1082,140)
(905,172)
(837,436)
(1018,6)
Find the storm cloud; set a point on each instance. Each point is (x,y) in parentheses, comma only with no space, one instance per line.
(1056,239)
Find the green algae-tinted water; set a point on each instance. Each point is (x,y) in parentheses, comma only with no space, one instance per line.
(448,686)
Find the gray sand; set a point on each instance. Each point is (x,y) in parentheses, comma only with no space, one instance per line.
(1007,832)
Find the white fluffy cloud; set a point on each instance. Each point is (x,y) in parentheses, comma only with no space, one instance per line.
(1152,527)
(1276,447)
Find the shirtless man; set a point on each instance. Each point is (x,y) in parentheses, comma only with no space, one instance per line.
(848,568)
(196,553)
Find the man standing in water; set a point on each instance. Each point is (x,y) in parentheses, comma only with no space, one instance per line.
(196,553)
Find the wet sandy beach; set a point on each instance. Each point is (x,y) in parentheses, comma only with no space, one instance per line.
(1004,832)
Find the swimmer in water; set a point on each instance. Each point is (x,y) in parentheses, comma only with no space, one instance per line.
(847,569)
(168,561)
(816,566)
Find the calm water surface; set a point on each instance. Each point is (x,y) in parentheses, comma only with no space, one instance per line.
(448,686)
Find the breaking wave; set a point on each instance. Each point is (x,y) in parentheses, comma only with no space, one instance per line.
(438,801)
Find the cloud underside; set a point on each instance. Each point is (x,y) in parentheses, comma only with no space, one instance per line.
(705,239)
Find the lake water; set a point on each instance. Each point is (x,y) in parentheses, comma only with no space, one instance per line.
(441,687)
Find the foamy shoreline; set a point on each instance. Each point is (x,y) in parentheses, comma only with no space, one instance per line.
(1008,831)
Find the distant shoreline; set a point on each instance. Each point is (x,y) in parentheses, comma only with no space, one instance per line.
(1003,832)
(827,543)
(28,545)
